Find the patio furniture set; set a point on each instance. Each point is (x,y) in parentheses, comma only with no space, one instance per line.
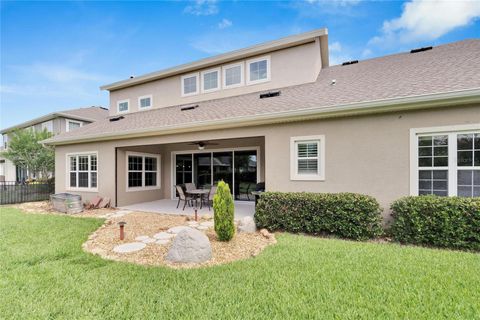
(192,195)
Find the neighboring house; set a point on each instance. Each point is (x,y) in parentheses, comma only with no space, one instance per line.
(56,123)
(277,113)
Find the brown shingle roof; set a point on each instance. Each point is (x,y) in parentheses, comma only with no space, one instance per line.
(447,68)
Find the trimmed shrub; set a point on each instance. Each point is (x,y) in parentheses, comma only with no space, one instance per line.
(446,222)
(346,215)
(223,212)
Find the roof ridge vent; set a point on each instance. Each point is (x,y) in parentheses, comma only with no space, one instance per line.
(189,108)
(347,63)
(116,118)
(270,94)
(421,49)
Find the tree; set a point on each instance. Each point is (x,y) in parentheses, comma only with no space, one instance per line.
(25,150)
(223,212)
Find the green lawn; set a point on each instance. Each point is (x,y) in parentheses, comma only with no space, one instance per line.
(44,274)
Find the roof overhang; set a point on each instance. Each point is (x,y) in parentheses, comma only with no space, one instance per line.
(282,43)
(44,118)
(453,98)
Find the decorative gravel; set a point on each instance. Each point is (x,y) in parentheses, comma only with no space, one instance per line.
(157,226)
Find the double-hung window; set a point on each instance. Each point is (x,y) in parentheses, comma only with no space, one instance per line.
(82,171)
(123,105)
(210,80)
(145,102)
(233,75)
(307,158)
(258,70)
(190,84)
(446,161)
(72,125)
(143,171)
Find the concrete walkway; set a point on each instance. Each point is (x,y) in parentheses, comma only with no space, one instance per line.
(242,208)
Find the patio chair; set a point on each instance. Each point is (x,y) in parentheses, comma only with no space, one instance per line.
(209,200)
(190,186)
(183,197)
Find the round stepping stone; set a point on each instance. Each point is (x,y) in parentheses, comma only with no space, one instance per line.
(129,247)
(162,242)
(207,224)
(120,213)
(142,238)
(149,240)
(163,236)
(178,229)
(202,228)
(192,223)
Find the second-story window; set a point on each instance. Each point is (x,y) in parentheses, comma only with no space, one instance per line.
(233,75)
(122,106)
(210,80)
(258,70)
(72,125)
(145,102)
(190,84)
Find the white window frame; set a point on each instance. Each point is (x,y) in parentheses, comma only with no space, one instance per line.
(145,97)
(451,132)
(249,62)
(219,75)
(67,124)
(67,167)
(242,75)
(320,176)
(143,187)
(123,101)
(197,79)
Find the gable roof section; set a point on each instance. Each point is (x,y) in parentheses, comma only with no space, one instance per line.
(446,75)
(90,114)
(255,50)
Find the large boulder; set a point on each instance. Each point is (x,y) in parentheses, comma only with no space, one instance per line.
(247,224)
(190,246)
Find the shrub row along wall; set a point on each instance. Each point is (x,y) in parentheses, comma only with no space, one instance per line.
(347,215)
(447,222)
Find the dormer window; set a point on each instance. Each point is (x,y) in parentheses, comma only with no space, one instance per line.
(258,70)
(123,105)
(144,102)
(190,84)
(233,75)
(210,80)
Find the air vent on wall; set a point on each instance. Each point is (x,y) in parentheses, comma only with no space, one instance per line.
(269,94)
(116,118)
(421,49)
(347,63)
(189,108)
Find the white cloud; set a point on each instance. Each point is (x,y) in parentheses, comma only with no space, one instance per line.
(202,8)
(335,47)
(366,53)
(424,20)
(225,23)
(337,54)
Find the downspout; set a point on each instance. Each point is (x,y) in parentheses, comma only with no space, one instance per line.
(116,175)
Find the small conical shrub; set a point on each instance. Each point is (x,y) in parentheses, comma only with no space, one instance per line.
(223,212)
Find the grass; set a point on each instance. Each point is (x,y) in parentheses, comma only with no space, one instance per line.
(44,274)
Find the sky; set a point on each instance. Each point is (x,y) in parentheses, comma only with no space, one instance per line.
(55,55)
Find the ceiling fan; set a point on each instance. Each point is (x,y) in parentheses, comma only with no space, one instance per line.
(201,144)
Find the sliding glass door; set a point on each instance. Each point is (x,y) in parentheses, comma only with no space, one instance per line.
(238,168)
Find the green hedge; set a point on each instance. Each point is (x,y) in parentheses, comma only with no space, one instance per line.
(346,215)
(447,222)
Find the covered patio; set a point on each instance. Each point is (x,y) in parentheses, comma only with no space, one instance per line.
(168,206)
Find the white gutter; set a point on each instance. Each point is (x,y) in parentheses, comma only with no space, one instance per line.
(374,106)
(221,58)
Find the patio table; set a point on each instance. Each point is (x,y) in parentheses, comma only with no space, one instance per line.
(198,194)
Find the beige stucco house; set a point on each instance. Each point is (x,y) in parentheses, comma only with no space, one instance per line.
(56,123)
(277,113)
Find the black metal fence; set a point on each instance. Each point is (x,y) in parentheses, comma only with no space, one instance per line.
(14,192)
